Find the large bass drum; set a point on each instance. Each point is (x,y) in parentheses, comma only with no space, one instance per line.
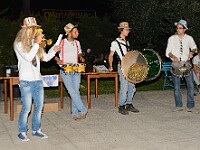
(138,66)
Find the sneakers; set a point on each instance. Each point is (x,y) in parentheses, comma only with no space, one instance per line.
(76,117)
(39,134)
(80,116)
(129,107)
(122,110)
(178,109)
(192,110)
(126,108)
(23,137)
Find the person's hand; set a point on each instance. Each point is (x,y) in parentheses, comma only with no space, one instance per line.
(110,68)
(175,59)
(82,59)
(57,48)
(59,62)
(191,54)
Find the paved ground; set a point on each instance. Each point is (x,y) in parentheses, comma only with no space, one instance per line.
(156,127)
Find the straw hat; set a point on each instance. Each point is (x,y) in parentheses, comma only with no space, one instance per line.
(124,25)
(30,22)
(68,27)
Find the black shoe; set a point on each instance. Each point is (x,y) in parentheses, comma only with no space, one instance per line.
(129,107)
(122,110)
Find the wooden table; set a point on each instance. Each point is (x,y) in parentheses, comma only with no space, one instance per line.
(96,76)
(14,80)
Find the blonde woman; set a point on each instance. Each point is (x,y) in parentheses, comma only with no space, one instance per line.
(29,54)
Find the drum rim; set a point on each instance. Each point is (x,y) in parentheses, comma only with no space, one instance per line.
(122,64)
(160,64)
(181,76)
(147,78)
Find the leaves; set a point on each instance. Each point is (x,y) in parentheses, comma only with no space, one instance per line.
(153,21)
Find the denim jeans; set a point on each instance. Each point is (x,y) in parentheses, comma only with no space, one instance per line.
(190,91)
(72,83)
(126,91)
(31,90)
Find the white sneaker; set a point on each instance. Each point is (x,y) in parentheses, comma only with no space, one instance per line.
(39,134)
(192,110)
(23,137)
(178,109)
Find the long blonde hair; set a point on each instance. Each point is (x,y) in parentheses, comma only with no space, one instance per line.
(25,36)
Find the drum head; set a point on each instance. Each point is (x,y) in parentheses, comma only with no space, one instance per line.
(154,62)
(134,66)
(181,69)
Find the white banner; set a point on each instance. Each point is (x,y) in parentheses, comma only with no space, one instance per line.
(50,80)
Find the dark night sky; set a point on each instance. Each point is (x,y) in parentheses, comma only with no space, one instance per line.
(64,4)
(100,6)
(61,4)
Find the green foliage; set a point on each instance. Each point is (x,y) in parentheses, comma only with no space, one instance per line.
(107,86)
(8,31)
(95,33)
(52,27)
(153,21)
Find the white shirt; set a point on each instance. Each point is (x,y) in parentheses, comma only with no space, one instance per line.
(115,47)
(69,51)
(27,71)
(175,44)
(196,61)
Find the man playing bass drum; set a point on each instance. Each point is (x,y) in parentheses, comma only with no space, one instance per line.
(180,48)
(127,89)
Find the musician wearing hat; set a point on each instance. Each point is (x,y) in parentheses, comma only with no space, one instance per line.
(127,89)
(71,53)
(29,54)
(196,71)
(180,49)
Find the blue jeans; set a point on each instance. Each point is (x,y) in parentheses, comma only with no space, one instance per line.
(190,91)
(126,91)
(72,83)
(31,90)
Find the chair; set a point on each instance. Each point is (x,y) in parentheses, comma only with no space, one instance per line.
(168,82)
